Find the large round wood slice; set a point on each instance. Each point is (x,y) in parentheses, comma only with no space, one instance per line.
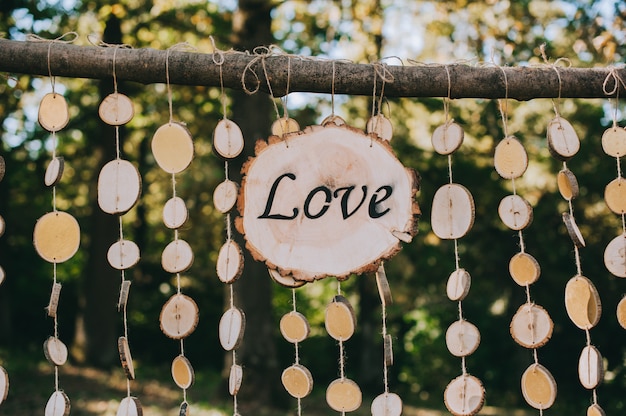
(615,256)
(123,254)
(515,212)
(384,290)
(177,257)
(172,147)
(582,302)
(573,230)
(58,404)
(380,126)
(235,379)
(615,195)
(54,112)
(458,285)
(621,312)
(531,326)
(294,327)
(447,138)
(286,281)
(54,172)
(464,396)
(175,213)
(510,158)
(538,387)
(3,167)
(297,380)
(179,316)
(326,205)
(228,139)
(229,262)
(56,236)
(284,125)
(119,186)
(562,139)
(614,141)
(595,410)
(343,395)
(387,404)
(182,372)
(4,384)
(590,368)
(340,320)
(53,303)
(116,109)
(225,196)
(130,406)
(55,351)
(567,184)
(462,338)
(452,213)
(231,328)
(524,269)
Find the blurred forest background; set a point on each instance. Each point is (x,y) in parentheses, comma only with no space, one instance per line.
(588,33)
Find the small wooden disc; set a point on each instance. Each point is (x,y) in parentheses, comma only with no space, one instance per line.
(447,138)
(123,298)
(179,316)
(235,379)
(286,281)
(2,226)
(573,230)
(388,350)
(524,269)
(464,396)
(333,119)
(225,196)
(621,312)
(462,338)
(119,186)
(615,195)
(515,212)
(387,404)
(381,126)
(231,329)
(452,212)
(130,406)
(567,184)
(172,147)
(55,351)
(229,262)
(4,384)
(531,326)
(53,304)
(54,171)
(3,275)
(614,141)
(3,167)
(562,139)
(54,112)
(510,158)
(182,372)
(343,395)
(458,285)
(595,410)
(297,380)
(58,404)
(294,327)
(123,254)
(340,320)
(126,358)
(284,125)
(538,387)
(582,302)
(184,409)
(615,256)
(590,368)
(228,139)
(56,236)
(177,257)
(384,290)
(175,213)
(116,109)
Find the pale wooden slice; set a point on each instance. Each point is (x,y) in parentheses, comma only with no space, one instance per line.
(123,298)
(573,230)
(231,328)
(123,254)
(235,379)
(524,269)
(582,302)
(380,126)
(614,141)
(130,406)
(452,213)
(590,368)
(340,320)
(567,184)
(531,326)
(343,395)
(284,125)
(126,358)
(4,384)
(184,409)
(58,404)
(464,396)
(56,236)
(515,212)
(621,312)
(53,303)
(458,285)
(387,404)
(384,290)
(229,262)
(447,138)
(333,119)
(177,257)
(116,109)
(615,195)
(3,167)
(510,158)
(119,186)
(286,281)
(225,196)
(175,213)
(2,226)
(615,256)
(462,338)
(55,351)
(562,139)
(228,139)
(294,327)
(3,275)
(388,350)
(538,387)
(54,171)
(179,316)
(182,372)
(595,410)
(297,380)
(172,147)
(54,112)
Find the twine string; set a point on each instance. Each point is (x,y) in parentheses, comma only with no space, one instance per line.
(504,104)
(446,100)
(61,39)
(332,91)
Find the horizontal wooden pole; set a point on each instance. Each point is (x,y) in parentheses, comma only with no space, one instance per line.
(147,66)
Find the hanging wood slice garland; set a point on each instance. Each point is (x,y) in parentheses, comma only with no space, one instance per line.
(344,395)
(615,256)
(175,213)
(614,141)
(524,269)
(2,226)
(182,372)
(125,357)
(130,406)
(615,195)
(573,230)
(340,319)
(380,126)
(284,125)
(58,404)
(453,212)
(384,291)
(235,379)
(229,262)
(582,302)
(326,205)
(54,171)
(3,167)
(294,327)
(179,316)
(231,328)
(184,409)
(225,196)
(119,187)
(621,312)
(510,158)
(595,410)
(123,254)
(462,338)
(56,236)
(116,109)
(2,275)
(563,141)
(228,139)
(53,303)
(464,396)
(177,256)
(515,212)
(590,368)
(447,138)
(297,380)
(55,351)
(531,326)
(172,147)
(123,298)
(387,404)
(458,285)
(4,384)
(54,112)
(567,184)
(538,387)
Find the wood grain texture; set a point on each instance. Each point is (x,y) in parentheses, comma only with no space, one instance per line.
(464,396)
(538,387)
